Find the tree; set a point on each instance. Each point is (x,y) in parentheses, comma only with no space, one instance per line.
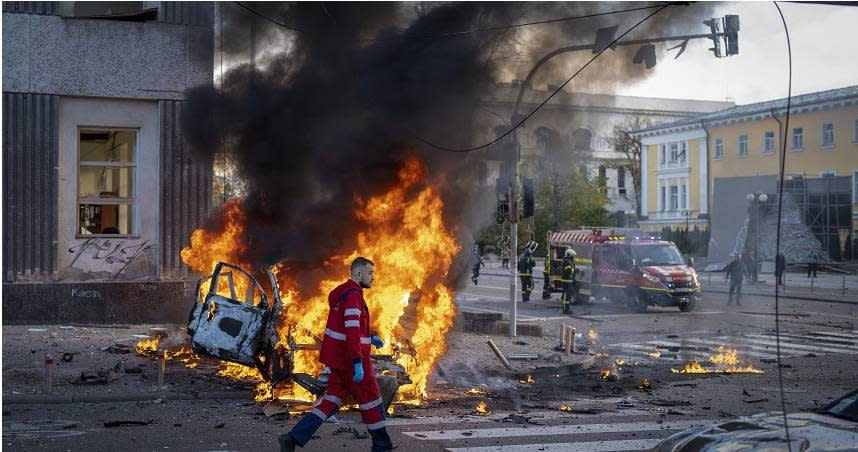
(628,148)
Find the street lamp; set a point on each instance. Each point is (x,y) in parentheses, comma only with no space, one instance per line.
(756,199)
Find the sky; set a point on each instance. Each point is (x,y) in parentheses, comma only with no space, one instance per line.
(824,42)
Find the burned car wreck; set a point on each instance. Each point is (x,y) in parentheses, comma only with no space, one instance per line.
(244,328)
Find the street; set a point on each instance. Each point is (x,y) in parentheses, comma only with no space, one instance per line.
(819,345)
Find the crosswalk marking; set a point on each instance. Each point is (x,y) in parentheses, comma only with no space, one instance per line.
(497,417)
(588,446)
(563,429)
(754,345)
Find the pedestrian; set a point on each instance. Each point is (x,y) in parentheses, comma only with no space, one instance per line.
(780,267)
(345,350)
(811,267)
(735,273)
(568,280)
(525,271)
(504,256)
(478,262)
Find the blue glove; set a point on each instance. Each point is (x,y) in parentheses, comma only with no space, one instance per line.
(376,341)
(358,372)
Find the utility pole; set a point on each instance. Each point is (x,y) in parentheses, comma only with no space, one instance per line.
(645,55)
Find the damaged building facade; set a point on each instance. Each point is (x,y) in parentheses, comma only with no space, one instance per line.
(575,130)
(100,191)
(710,171)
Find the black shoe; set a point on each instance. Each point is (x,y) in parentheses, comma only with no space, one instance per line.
(287,444)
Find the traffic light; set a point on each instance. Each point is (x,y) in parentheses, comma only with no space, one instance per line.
(527,189)
(503,203)
(646,55)
(731,34)
(604,38)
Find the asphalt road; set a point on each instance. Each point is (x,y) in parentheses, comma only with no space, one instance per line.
(819,355)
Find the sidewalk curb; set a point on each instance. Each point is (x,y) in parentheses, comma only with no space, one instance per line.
(744,292)
(52,399)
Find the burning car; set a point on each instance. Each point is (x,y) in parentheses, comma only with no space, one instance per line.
(243,329)
(834,427)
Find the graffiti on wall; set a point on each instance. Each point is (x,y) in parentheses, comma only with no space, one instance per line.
(110,258)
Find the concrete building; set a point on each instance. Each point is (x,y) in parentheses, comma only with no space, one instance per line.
(699,171)
(576,129)
(100,191)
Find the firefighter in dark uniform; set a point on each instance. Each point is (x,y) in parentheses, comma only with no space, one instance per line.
(525,271)
(568,280)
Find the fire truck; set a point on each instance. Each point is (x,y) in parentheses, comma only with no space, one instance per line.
(624,265)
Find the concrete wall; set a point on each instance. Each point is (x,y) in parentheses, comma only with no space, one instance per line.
(730,208)
(102,58)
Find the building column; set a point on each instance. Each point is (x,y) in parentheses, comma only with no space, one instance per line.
(644,207)
(703,202)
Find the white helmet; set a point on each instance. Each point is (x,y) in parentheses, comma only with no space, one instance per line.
(570,253)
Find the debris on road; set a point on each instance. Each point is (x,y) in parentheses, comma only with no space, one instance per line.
(482,409)
(498,353)
(102,376)
(275,407)
(117,349)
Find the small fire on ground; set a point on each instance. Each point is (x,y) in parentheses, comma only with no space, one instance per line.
(527,381)
(565,407)
(482,409)
(645,386)
(724,360)
(149,348)
(476,391)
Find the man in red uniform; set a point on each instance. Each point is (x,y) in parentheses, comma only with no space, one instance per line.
(345,349)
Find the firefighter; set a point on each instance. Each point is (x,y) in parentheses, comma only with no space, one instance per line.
(568,280)
(504,257)
(345,349)
(525,271)
(478,262)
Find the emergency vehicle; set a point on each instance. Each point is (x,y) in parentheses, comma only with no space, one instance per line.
(624,265)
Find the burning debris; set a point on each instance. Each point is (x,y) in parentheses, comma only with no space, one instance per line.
(476,391)
(655,355)
(619,362)
(565,407)
(725,359)
(592,337)
(645,386)
(609,375)
(527,381)
(482,409)
(148,347)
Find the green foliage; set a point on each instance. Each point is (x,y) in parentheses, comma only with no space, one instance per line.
(568,202)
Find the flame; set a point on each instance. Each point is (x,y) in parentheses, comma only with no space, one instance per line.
(482,409)
(655,355)
(148,347)
(645,386)
(476,391)
(725,359)
(405,235)
(593,336)
(527,381)
(601,355)
(606,374)
(620,362)
(565,407)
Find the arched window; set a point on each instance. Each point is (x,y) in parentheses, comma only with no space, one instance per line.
(581,139)
(547,141)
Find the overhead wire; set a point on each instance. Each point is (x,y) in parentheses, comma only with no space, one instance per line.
(542,104)
(778,230)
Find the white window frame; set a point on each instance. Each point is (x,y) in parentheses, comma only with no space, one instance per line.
(828,173)
(800,136)
(743,145)
(823,134)
(673,154)
(719,149)
(132,201)
(674,198)
(768,144)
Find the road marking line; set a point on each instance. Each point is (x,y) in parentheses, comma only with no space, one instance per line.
(563,429)
(594,446)
(761,339)
(496,417)
(822,340)
(834,334)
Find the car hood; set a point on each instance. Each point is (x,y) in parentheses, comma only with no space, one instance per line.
(765,432)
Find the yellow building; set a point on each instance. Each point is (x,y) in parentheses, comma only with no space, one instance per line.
(699,171)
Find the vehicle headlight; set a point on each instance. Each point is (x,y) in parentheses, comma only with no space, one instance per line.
(652,279)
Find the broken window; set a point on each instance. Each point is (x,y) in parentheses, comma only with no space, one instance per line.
(683,152)
(106,178)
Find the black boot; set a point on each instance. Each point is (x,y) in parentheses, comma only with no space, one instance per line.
(287,444)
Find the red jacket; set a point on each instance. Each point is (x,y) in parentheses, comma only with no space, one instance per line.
(347,337)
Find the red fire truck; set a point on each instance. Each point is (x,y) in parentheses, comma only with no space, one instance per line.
(625,265)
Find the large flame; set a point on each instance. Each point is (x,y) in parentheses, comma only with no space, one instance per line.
(405,235)
(725,359)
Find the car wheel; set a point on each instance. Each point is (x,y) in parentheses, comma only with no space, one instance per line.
(689,306)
